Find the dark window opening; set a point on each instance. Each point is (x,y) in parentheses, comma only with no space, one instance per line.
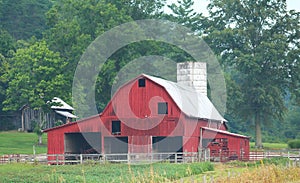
(116,127)
(162,108)
(142,82)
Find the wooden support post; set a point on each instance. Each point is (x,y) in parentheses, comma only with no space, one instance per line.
(81,158)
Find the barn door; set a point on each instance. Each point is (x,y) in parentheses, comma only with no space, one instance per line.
(83,143)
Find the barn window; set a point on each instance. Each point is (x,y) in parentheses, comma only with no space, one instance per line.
(162,108)
(116,127)
(142,82)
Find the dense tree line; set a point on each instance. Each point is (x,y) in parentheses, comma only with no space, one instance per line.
(257,43)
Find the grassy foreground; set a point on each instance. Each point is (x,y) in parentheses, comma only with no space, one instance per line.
(277,170)
(160,172)
(273,170)
(264,174)
(13,142)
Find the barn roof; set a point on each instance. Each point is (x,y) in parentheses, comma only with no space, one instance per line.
(189,101)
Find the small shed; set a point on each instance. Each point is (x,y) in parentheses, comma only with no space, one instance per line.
(60,111)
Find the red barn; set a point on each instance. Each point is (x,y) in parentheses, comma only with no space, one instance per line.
(150,114)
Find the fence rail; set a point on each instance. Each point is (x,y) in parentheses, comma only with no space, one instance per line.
(183,157)
(291,154)
(123,158)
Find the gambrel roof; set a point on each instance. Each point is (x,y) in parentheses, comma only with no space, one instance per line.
(189,101)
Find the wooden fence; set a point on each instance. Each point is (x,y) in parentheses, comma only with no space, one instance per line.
(135,158)
(291,154)
(132,158)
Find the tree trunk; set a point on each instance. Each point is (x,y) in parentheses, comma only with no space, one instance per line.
(40,139)
(258,137)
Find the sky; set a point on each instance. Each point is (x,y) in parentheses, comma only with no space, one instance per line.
(200,5)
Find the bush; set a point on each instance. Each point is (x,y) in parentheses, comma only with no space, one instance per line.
(294,144)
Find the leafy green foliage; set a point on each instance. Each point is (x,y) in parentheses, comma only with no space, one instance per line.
(257,43)
(140,9)
(3,80)
(24,19)
(36,76)
(256,40)
(7,43)
(294,144)
(184,14)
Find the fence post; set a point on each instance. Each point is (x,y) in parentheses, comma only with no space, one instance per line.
(81,158)
(56,159)
(104,158)
(151,157)
(193,158)
(175,157)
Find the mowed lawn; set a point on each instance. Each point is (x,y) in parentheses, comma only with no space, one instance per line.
(13,142)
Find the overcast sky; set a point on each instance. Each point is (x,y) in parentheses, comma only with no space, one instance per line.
(200,5)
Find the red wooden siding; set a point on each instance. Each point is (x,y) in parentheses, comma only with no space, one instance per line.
(137,110)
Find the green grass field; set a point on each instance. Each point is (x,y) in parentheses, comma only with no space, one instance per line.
(270,146)
(13,142)
(272,170)
(160,172)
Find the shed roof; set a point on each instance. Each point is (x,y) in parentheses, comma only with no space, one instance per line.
(63,105)
(66,114)
(225,132)
(189,101)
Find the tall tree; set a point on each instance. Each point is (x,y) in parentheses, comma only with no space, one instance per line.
(36,76)
(7,46)
(257,39)
(75,24)
(3,79)
(140,9)
(184,14)
(6,50)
